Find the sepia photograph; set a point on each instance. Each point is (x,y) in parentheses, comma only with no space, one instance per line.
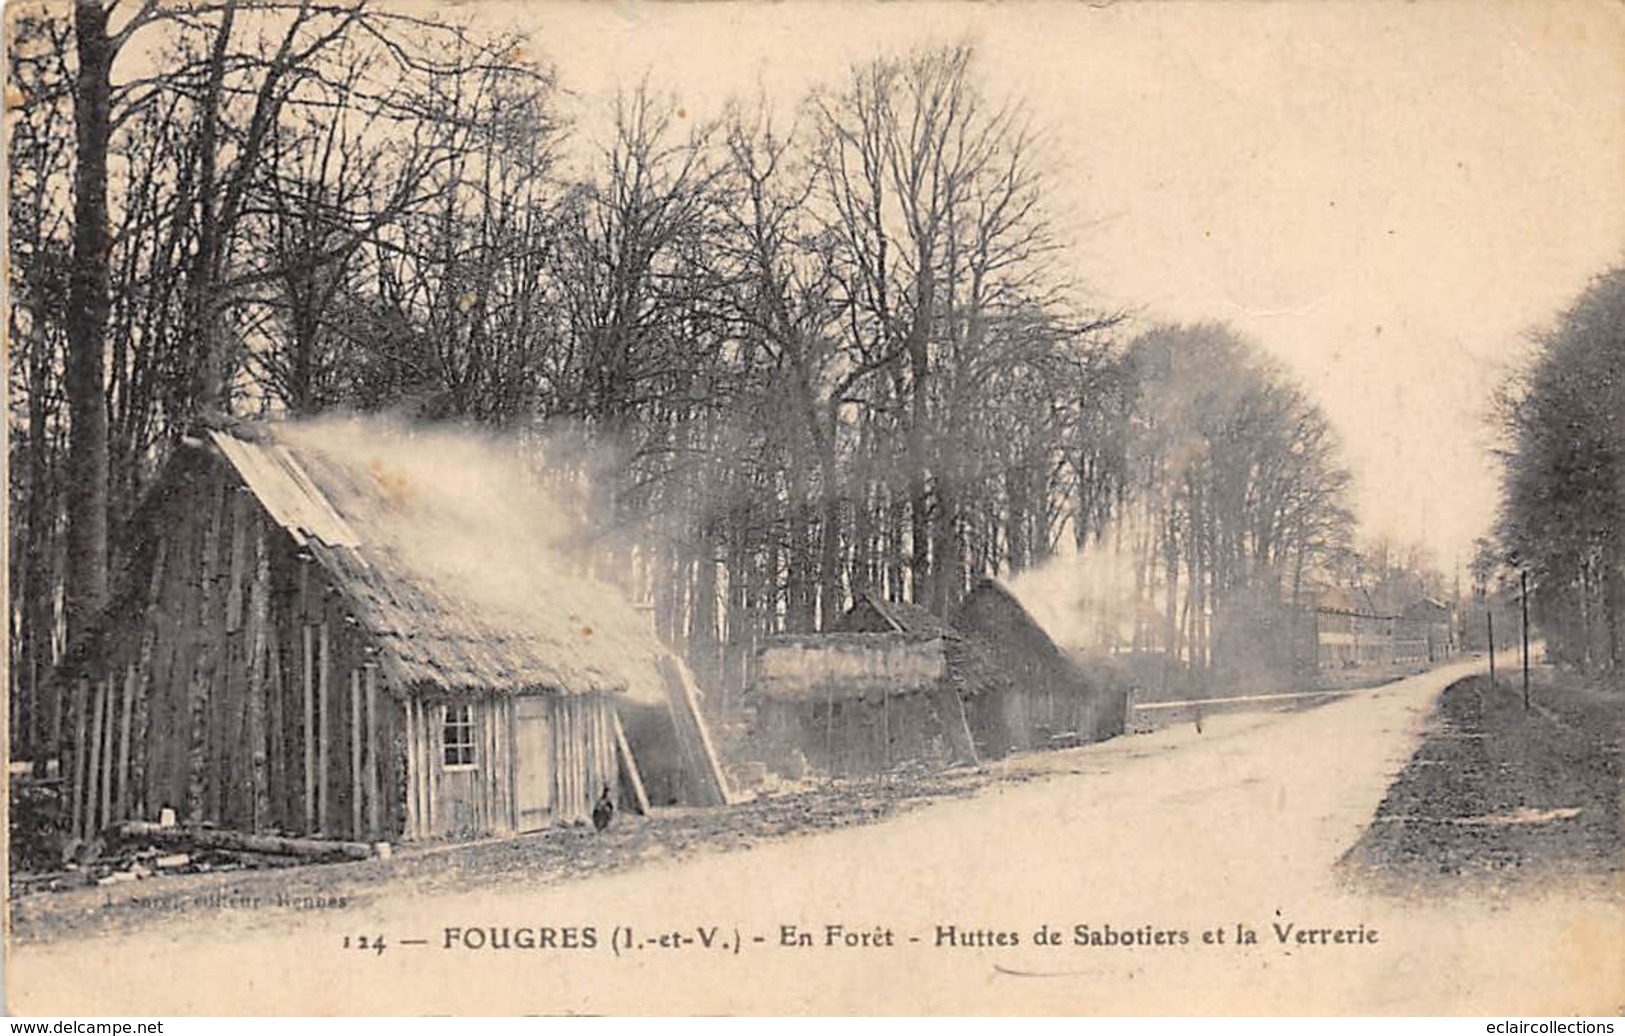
(814,508)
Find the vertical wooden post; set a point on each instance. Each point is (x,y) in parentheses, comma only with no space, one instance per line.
(964,724)
(324,776)
(355,754)
(81,704)
(276,693)
(489,800)
(56,726)
(566,757)
(1489,626)
(258,685)
(309,686)
(109,743)
(94,780)
(124,743)
(375,813)
(578,763)
(411,769)
(1523,582)
(429,721)
(505,771)
(829,729)
(33,734)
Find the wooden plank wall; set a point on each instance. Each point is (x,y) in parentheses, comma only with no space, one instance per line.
(442,803)
(584,756)
(211,704)
(855,737)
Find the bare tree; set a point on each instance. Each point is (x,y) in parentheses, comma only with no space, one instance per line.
(1563,496)
(1240,492)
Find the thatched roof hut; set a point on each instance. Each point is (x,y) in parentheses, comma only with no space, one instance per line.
(897,684)
(457,580)
(354,627)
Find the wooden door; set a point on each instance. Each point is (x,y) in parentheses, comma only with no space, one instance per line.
(533,763)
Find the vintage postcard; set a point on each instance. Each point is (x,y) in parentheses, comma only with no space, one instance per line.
(815,508)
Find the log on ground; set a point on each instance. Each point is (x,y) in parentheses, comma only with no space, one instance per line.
(242,841)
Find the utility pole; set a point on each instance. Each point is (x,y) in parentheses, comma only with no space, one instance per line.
(1489,626)
(1523,582)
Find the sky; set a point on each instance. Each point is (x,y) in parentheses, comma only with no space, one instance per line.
(1387,197)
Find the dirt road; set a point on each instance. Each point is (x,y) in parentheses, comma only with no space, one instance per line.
(1147,857)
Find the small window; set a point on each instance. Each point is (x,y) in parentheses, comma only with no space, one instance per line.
(459,737)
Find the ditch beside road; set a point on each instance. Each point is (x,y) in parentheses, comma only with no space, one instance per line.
(1502,799)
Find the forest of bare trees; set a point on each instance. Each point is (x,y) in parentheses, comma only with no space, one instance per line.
(1563,497)
(779,354)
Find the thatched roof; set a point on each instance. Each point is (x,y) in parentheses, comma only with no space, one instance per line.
(870,666)
(984,648)
(449,556)
(901,617)
(991,611)
(843,666)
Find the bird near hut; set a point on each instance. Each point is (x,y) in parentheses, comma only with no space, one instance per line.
(604,811)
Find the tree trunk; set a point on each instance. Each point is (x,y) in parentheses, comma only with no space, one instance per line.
(36,566)
(210,384)
(702,636)
(919,504)
(1170,564)
(88,307)
(831,598)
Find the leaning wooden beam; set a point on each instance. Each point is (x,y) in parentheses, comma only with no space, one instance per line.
(964,725)
(240,841)
(640,797)
(683,699)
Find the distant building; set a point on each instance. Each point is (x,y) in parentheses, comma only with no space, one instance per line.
(1432,623)
(1351,633)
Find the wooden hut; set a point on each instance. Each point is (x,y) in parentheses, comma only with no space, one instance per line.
(856,703)
(337,630)
(1044,698)
(897,685)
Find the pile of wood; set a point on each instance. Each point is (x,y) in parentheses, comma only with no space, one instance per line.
(311,849)
(137,850)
